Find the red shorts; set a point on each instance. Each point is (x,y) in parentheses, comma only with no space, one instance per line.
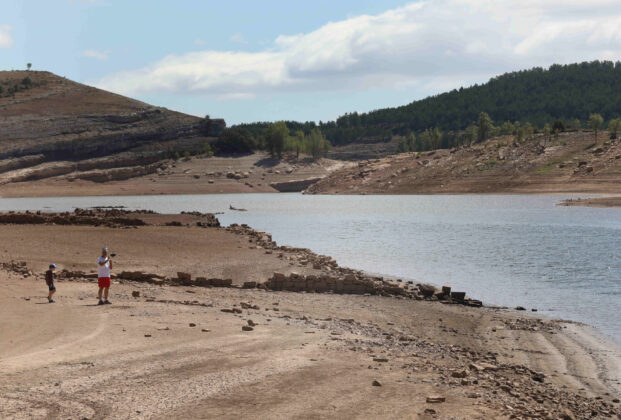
(104,281)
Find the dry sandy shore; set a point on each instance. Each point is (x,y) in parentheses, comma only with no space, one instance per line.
(256,172)
(172,352)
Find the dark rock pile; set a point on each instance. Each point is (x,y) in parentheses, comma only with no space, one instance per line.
(95,217)
(18,267)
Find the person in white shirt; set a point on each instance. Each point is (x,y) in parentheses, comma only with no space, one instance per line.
(104,264)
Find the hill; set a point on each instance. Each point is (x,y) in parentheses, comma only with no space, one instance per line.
(52,126)
(537,96)
(568,162)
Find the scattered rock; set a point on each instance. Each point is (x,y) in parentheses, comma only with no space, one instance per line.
(184,276)
(192,324)
(434,399)
(231,311)
(247,328)
(135,293)
(567,415)
(376,383)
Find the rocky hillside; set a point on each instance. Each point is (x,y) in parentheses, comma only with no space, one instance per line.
(51,126)
(569,162)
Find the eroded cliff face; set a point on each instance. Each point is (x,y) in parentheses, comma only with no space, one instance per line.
(52,126)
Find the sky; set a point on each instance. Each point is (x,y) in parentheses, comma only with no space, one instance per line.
(272,60)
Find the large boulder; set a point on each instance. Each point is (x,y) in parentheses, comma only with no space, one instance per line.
(427,290)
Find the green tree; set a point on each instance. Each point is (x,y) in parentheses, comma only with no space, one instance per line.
(207,150)
(299,145)
(411,140)
(525,132)
(507,128)
(575,124)
(558,126)
(485,126)
(402,146)
(28,66)
(595,122)
(275,136)
(471,134)
(235,140)
(296,143)
(316,144)
(614,126)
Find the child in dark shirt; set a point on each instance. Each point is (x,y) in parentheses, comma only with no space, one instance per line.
(49,280)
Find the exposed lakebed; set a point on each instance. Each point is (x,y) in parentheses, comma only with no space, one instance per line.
(504,249)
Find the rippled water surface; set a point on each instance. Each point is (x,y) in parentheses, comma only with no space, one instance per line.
(504,249)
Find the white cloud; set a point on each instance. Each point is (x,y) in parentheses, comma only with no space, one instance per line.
(239,38)
(6,40)
(98,55)
(429,43)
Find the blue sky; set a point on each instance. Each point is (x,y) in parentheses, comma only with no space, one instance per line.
(270,60)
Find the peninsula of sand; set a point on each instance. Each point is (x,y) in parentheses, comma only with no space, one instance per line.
(222,322)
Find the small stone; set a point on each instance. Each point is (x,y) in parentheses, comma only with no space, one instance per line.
(205,330)
(135,293)
(247,328)
(251,323)
(459,373)
(430,411)
(520,308)
(434,399)
(192,324)
(147,335)
(567,415)
(376,383)
(538,377)
(380,359)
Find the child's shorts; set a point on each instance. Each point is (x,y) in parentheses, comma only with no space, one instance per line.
(52,287)
(104,281)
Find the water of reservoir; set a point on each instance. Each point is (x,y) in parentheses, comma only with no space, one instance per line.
(503,249)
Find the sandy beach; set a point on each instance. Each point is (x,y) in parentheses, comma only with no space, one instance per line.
(172,352)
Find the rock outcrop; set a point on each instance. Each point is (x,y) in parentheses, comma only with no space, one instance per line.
(295,185)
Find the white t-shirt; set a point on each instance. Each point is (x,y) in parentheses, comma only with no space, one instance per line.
(103,270)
